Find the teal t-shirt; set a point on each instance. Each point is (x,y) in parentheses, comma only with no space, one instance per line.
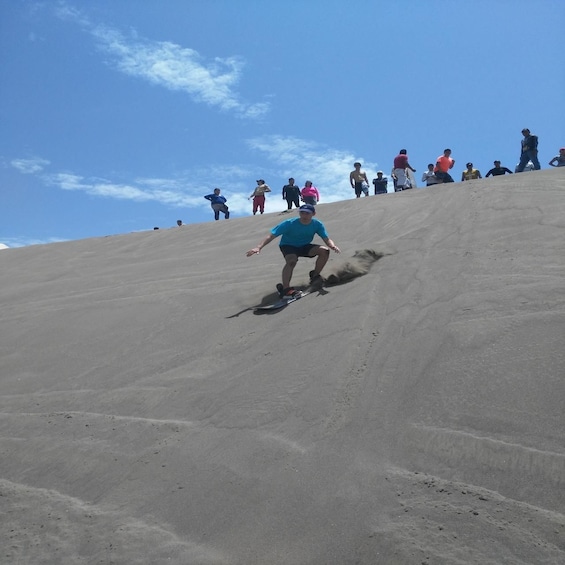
(297,234)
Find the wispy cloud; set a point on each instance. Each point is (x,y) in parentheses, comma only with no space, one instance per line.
(212,82)
(30,166)
(182,192)
(12,242)
(326,167)
(144,190)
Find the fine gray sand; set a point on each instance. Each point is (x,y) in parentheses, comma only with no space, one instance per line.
(413,414)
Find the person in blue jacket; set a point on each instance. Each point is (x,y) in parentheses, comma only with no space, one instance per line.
(218,204)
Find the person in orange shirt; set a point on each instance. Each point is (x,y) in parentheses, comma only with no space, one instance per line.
(443,164)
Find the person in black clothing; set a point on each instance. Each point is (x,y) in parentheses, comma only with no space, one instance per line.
(529,151)
(291,193)
(498,170)
(380,183)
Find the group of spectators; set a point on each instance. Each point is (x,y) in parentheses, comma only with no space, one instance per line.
(440,172)
(402,176)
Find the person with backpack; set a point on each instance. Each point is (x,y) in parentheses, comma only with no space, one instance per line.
(529,151)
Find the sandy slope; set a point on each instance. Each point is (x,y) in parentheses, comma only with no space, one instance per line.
(413,415)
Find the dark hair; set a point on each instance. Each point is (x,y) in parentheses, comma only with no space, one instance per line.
(403,151)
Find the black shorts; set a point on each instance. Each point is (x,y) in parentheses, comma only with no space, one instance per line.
(303,251)
(359,188)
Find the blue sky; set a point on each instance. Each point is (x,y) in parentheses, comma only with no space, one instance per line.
(119,115)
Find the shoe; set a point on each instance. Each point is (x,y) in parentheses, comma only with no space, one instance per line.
(280,290)
(314,277)
(289,292)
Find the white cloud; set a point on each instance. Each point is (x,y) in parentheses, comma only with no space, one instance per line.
(29,166)
(146,190)
(13,242)
(172,66)
(327,168)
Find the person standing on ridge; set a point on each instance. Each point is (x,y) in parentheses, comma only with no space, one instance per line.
(558,160)
(470,174)
(529,151)
(380,183)
(296,241)
(358,180)
(400,165)
(429,176)
(218,204)
(310,194)
(258,196)
(443,164)
(291,193)
(497,170)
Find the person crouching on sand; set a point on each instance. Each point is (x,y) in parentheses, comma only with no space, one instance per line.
(296,241)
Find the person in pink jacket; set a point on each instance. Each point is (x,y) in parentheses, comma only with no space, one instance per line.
(310,194)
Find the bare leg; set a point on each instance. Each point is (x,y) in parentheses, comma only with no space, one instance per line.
(323,254)
(288,268)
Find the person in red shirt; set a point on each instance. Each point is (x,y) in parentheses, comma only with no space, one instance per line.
(400,165)
(443,164)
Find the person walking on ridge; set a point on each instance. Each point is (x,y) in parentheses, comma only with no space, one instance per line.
(529,151)
(400,165)
(296,241)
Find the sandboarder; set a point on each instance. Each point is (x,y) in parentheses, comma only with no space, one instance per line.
(296,241)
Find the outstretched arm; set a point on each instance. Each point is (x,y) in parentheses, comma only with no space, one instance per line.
(257,249)
(331,245)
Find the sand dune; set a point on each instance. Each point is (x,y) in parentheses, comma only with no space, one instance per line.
(412,414)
